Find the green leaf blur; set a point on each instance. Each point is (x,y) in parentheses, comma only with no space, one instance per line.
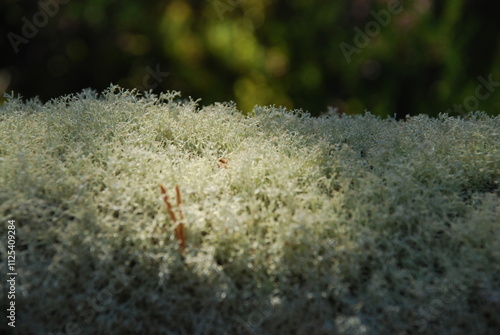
(389,57)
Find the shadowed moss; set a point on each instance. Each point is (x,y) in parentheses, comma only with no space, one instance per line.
(332,225)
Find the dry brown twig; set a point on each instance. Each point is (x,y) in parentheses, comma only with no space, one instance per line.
(179,231)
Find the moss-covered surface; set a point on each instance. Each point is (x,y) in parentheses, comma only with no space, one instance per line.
(331,225)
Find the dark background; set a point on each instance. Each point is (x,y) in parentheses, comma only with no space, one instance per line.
(425,57)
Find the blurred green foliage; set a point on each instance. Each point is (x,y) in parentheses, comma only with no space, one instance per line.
(388,57)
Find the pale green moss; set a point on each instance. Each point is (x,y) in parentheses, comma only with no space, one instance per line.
(351,225)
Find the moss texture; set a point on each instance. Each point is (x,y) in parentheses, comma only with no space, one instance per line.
(329,225)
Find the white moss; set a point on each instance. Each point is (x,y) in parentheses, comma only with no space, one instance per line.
(320,225)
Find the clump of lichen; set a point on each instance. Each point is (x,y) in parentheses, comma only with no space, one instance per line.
(330,225)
